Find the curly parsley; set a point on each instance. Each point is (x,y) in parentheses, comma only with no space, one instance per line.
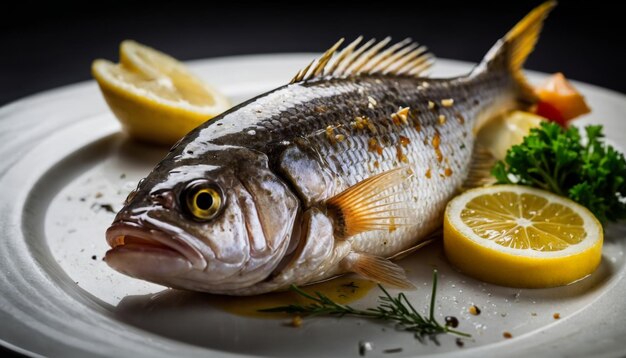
(559,160)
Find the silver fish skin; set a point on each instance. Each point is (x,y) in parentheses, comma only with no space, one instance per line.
(267,176)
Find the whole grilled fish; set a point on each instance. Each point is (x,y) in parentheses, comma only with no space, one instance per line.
(343,169)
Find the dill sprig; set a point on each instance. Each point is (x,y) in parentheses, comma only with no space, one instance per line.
(397,310)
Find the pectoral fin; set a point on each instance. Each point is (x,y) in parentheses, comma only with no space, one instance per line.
(368,205)
(377,269)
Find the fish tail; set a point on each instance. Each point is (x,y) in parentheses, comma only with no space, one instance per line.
(511,51)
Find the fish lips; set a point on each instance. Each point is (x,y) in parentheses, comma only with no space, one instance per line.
(131,238)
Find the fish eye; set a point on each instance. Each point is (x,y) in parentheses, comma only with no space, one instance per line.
(203,200)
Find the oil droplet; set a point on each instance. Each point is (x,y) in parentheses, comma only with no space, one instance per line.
(480,327)
(342,290)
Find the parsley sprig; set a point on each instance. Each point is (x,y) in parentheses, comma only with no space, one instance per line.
(390,309)
(559,160)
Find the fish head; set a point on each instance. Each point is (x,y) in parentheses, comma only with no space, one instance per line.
(219,224)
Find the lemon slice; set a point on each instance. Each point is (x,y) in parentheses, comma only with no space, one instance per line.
(499,134)
(154,96)
(517,236)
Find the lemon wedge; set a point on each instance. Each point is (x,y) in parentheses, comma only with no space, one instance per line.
(517,236)
(154,96)
(507,130)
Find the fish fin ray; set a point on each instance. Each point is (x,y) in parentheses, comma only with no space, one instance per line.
(360,208)
(480,168)
(378,269)
(512,50)
(434,236)
(405,58)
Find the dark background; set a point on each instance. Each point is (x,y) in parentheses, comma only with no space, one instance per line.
(49,45)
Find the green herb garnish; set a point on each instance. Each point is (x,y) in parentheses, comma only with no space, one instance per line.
(390,309)
(556,159)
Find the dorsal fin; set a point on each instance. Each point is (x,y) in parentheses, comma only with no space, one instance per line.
(403,58)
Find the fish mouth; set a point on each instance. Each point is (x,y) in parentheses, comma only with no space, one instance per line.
(131,236)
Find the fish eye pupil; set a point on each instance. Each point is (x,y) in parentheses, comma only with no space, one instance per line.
(204,201)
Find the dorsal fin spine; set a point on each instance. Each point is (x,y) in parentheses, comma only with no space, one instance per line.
(404,58)
(367,56)
(390,60)
(415,62)
(400,62)
(349,60)
(345,53)
(384,55)
(325,58)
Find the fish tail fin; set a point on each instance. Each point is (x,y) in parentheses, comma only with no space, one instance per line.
(511,51)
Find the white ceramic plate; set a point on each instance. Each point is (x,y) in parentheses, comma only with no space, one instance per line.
(63,158)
